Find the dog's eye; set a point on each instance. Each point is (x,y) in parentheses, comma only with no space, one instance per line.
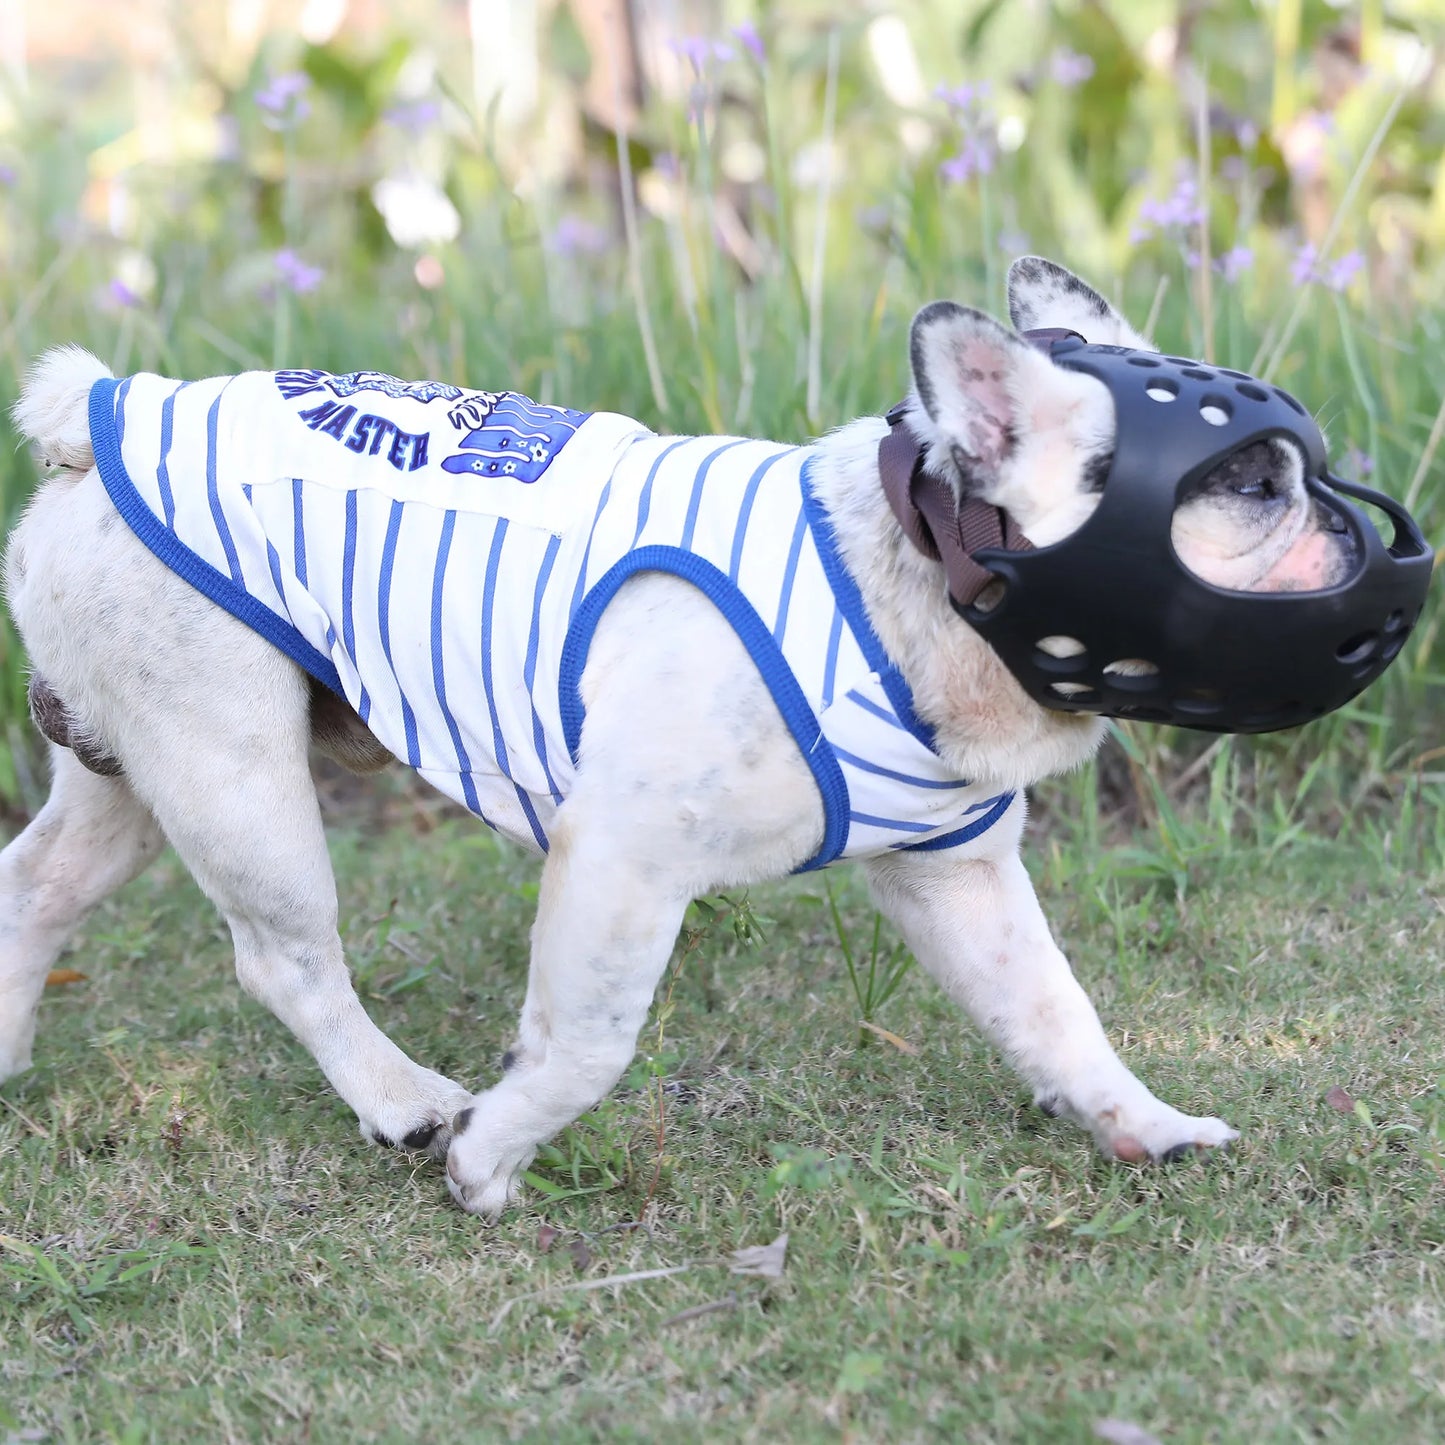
(1259,489)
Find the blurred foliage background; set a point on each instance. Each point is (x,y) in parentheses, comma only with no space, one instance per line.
(721,216)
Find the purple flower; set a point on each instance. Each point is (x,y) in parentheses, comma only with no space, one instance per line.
(1069,68)
(1177,211)
(1357,464)
(577,236)
(1343,271)
(1308,267)
(1013,242)
(975,158)
(7,176)
(960,98)
(297,275)
(1234,263)
(121,294)
(699,50)
(282,100)
(415,117)
(751,41)
(1303,268)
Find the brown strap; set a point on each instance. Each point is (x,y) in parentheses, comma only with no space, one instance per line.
(933,521)
(928,511)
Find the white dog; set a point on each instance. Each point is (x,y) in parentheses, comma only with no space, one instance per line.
(801,690)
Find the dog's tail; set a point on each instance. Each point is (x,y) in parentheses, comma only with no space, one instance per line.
(53,412)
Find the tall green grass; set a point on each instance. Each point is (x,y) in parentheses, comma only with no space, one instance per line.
(552,289)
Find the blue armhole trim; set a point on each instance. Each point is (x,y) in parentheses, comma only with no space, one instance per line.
(850,603)
(765,653)
(179,558)
(967,833)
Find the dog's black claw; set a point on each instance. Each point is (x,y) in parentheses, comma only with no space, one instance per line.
(421,1136)
(1176,1152)
(459,1124)
(1049,1106)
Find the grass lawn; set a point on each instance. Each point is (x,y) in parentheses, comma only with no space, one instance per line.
(197,1245)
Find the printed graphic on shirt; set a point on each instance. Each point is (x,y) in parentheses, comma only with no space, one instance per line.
(507,434)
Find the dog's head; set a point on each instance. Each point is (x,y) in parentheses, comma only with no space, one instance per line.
(1003,422)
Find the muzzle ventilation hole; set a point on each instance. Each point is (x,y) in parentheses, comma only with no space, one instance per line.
(1162,390)
(1058,654)
(1216,410)
(1357,648)
(1133,672)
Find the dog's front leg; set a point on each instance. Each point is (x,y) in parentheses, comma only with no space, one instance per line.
(604,931)
(977,927)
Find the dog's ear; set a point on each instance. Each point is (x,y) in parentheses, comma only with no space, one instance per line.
(969,374)
(1041,294)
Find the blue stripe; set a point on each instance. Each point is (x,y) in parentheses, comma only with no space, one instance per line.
(587,551)
(968,832)
(206,579)
(120,397)
(951,785)
(789,574)
(745,511)
(438,672)
(275,564)
(845,590)
(869,706)
(529,668)
(644,502)
(830,666)
(383,617)
(752,631)
(499,743)
(163,470)
(348,587)
(695,501)
(894,825)
(223,530)
(298,530)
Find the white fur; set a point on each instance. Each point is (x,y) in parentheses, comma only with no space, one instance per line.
(52,405)
(688,782)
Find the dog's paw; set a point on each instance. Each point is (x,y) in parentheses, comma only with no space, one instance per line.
(15,1050)
(1165,1136)
(486,1161)
(423,1122)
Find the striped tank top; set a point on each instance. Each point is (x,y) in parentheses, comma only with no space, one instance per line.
(441,558)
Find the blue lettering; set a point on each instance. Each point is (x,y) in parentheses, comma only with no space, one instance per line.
(394,456)
(379,434)
(360,433)
(418,451)
(314,416)
(336,425)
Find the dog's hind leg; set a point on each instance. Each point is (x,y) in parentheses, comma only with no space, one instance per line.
(232,788)
(92,836)
(210,725)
